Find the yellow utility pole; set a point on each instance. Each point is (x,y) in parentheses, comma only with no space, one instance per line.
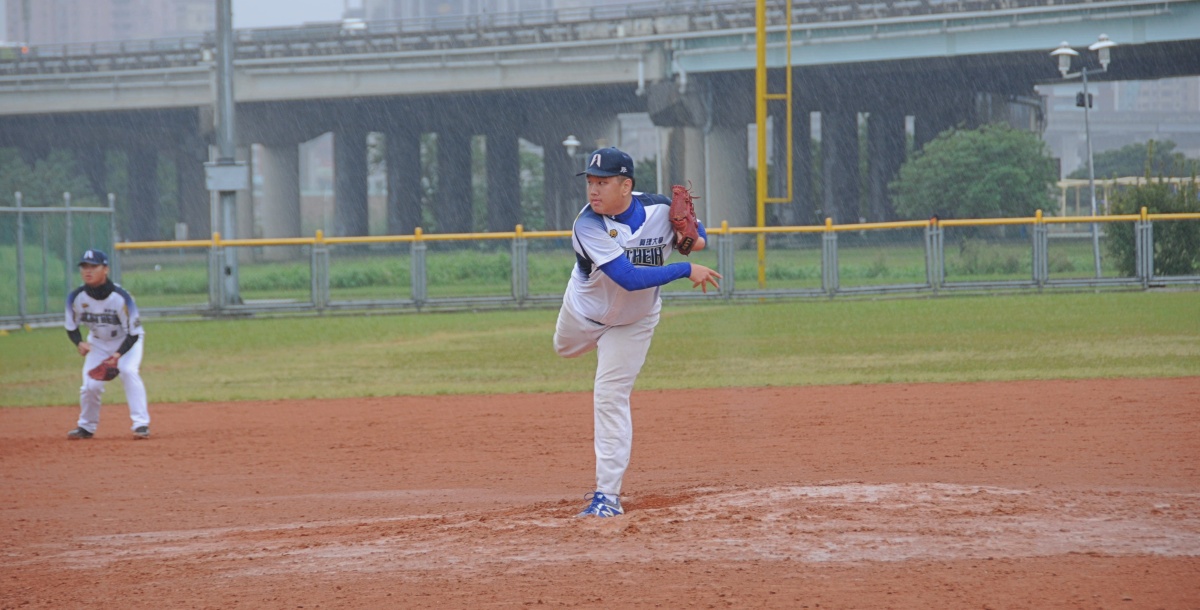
(761,96)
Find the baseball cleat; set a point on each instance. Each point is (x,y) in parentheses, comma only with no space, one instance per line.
(602,506)
(141,432)
(78,433)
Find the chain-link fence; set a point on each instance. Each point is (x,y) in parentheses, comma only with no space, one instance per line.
(39,246)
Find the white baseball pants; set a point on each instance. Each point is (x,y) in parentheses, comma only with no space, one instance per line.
(620,353)
(135,390)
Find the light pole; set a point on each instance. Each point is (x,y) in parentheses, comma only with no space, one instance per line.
(571,144)
(1065,54)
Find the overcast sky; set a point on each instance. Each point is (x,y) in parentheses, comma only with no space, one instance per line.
(270,13)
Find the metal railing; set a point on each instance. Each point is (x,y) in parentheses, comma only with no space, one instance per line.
(918,251)
(501,29)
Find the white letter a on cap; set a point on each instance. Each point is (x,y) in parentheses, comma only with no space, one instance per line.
(595,160)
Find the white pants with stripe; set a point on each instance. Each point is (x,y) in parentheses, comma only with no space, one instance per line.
(135,390)
(620,354)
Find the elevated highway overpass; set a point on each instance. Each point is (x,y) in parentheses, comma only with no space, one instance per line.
(542,75)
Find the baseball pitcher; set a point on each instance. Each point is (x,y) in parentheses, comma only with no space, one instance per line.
(622,240)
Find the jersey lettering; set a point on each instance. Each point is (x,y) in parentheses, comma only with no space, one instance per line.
(645,257)
(88,317)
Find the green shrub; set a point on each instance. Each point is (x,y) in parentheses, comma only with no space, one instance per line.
(1176,244)
(988,172)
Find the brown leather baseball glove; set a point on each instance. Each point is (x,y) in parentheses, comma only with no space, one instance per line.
(105,371)
(683,219)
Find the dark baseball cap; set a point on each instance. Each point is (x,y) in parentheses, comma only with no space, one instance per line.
(94,257)
(609,162)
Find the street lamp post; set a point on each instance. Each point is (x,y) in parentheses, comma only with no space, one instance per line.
(1065,54)
(571,144)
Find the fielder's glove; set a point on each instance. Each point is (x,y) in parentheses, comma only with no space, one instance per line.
(105,371)
(683,219)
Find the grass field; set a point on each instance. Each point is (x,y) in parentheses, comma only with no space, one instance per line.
(1061,336)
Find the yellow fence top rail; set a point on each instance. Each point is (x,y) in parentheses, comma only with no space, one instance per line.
(1091,219)
(157,245)
(1177,216)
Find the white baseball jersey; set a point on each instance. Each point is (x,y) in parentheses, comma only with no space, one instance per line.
(108,311)
(599,239)
(111,317)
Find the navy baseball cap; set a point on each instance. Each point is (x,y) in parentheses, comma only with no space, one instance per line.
(94,257)
(609,162)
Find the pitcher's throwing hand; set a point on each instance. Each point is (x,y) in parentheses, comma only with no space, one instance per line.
(703,276)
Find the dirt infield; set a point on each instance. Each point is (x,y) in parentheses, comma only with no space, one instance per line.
(1080,494)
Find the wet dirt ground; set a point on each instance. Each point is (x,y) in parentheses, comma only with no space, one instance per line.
(1041,494)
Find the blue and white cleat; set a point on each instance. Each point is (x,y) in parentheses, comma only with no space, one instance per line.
(602,506)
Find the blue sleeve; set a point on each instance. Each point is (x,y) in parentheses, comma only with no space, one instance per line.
(700,229)
(638,278)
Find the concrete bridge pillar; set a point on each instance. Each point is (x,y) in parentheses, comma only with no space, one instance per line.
(279,210)
(803,205)
(728,191)
(839,153)
(142,170)
(452,205)
(704,140)
(682,159)
(885,144)
(350,181)
(503,178)
(193,194)
(403,158)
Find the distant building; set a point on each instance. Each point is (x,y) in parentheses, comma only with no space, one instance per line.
(74,21)
(1122,113)
(425,9)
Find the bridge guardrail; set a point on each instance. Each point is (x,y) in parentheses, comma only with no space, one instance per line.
(490,30)
(423,271)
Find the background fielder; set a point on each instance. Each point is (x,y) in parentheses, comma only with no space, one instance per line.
(114,330)
(622,240)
